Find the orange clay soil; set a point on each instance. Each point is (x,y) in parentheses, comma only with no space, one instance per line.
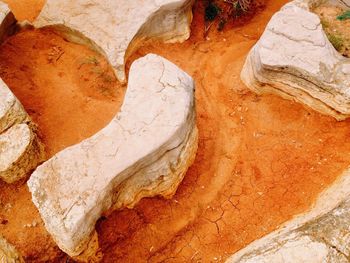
(261,159)
(25,9)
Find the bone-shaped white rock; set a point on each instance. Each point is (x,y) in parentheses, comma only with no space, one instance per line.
(20,150)
(144,151)
(116,28)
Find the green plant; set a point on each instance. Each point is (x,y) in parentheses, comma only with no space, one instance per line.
(336,41)
(223,11)
(344,16)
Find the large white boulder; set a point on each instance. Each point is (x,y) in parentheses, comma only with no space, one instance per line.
(20,149)
(144,151)
(295,59)
(116,28)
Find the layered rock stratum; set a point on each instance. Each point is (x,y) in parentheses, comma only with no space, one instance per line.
(144,151)
(295,60)
(116,28)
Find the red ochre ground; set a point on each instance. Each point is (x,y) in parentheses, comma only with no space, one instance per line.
(261,159)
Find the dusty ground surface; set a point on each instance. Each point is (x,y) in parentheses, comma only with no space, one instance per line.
(261,160)
(55,79)
(25,9)
(338,32)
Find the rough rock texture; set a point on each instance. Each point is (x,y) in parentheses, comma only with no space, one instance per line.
(8,254)
(324,239)
(115,28)
(144,151)
(20,152)
(20,149)
(320,235)
(11,110)
(295,59)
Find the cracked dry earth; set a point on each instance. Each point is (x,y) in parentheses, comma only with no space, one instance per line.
(261,159)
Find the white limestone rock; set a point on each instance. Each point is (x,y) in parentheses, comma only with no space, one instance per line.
(20,149)
(325,238)
(20,152)
(299,250)
(11,110)
(8,254)
(116,28)
(144,151)
(295,59)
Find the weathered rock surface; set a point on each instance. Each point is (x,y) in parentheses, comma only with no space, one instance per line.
(20,149)
(8,253)
(295,59)
(11,110)
(319,235)
(115,28)
(144,151)
(324,239)
(20,152)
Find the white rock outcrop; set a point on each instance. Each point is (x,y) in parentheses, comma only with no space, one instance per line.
(144,151)
(20,149)
(295,59)
(116,28)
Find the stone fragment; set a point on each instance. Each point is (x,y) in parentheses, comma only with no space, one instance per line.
(116,28)
(11,110)
(20,152)
(145,151)
(8,253)
(20,149)
(295,59)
